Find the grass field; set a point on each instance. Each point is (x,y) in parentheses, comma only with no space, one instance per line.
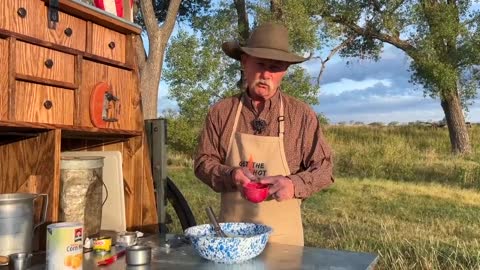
(398,193)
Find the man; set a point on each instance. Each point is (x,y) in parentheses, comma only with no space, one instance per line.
(267,136)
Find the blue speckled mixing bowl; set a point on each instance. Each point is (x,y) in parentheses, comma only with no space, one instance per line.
(244,241)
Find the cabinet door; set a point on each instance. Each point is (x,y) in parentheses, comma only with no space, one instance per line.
(3,79)
(123,85)
(26,17)
(43,104)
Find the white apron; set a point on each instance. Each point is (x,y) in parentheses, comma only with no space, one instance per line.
(266,155)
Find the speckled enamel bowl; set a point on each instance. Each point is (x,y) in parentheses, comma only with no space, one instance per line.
(245,241)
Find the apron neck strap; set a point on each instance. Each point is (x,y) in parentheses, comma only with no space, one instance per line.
(281,119)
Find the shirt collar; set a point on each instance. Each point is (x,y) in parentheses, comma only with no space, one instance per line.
(270,104)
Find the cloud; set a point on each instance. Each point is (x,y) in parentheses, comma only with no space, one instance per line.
(164,103)
(393,65)
(370,91)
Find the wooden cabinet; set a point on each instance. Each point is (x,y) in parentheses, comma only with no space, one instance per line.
(3,78)
(47,77)
(25,16)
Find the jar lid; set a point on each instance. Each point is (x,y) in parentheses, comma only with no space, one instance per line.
(80,163)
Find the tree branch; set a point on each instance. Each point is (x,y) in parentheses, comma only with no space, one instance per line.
(149,17)
(169,23)
(371,33)
(330,55)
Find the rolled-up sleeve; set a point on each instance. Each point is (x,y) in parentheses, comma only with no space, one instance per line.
(208,164)
(317,162)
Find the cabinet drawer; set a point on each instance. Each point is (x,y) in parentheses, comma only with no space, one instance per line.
(70,32)
(108,43)
(43,104)
(26,17)
(44,63)
(3,79)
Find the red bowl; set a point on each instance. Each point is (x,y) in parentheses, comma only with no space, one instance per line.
(255,192)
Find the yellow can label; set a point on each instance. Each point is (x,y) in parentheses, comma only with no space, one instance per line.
(102,244)
(65,246)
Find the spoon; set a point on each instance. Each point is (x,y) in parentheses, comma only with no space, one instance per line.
(214,223)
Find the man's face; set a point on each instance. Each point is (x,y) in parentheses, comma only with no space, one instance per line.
(263,76)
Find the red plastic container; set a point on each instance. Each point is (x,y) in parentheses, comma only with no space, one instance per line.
(255,192)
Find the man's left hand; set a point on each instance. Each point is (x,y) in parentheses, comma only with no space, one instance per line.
(281,187)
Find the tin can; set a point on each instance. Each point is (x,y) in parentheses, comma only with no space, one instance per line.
(102,244)
(65,246)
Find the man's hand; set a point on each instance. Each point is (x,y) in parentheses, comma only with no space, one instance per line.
(281,187)
(242,176)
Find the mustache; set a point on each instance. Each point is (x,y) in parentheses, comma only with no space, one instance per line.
(266,82)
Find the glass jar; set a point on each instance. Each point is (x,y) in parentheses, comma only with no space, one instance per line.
(81,192)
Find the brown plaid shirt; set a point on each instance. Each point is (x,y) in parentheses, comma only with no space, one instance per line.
(308,155)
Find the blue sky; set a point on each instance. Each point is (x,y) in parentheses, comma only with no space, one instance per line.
(368,91)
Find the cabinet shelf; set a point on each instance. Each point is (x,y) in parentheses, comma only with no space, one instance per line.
(10,130)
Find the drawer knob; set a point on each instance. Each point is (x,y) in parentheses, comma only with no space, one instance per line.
(48,104)
(22,12)
(68,31)
(49,63)
(111,45)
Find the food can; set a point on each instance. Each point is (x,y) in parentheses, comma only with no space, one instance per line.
(102,244)
(65,246)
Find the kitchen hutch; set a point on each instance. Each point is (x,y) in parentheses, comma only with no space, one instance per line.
(69,82)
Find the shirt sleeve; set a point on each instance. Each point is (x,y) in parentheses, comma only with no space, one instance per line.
(208,164)
(317,164)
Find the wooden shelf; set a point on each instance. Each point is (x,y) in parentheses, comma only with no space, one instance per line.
(26,129)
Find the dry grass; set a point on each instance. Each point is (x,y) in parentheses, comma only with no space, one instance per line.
(398,193)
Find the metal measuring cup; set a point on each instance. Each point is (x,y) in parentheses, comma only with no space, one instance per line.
(19,261)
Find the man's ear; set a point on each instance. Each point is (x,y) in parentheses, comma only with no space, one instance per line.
(243,59)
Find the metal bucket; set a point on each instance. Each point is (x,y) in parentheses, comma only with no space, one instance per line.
(16,221)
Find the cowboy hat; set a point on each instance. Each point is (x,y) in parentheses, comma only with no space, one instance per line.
(269,41)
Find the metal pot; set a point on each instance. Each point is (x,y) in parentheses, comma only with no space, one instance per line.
(16,221)
(138,255)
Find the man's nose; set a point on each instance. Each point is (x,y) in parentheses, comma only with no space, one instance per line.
(265,73)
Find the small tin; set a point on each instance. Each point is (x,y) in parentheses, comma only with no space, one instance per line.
(126,239)
(102,244)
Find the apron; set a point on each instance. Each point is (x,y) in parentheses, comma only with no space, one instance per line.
(265,156)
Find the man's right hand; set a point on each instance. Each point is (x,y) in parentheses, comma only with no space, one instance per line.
(240,177)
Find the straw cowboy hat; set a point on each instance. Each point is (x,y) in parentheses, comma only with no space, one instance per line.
(269,41)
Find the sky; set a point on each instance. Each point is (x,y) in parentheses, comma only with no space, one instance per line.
(368,91)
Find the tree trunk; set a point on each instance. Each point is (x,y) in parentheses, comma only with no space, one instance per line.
(243,31)
(151,68)
(457,128)
(276,9)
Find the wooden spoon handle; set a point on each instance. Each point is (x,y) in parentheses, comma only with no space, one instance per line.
(214,222)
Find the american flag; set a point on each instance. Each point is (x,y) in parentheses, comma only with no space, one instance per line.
(113,6)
